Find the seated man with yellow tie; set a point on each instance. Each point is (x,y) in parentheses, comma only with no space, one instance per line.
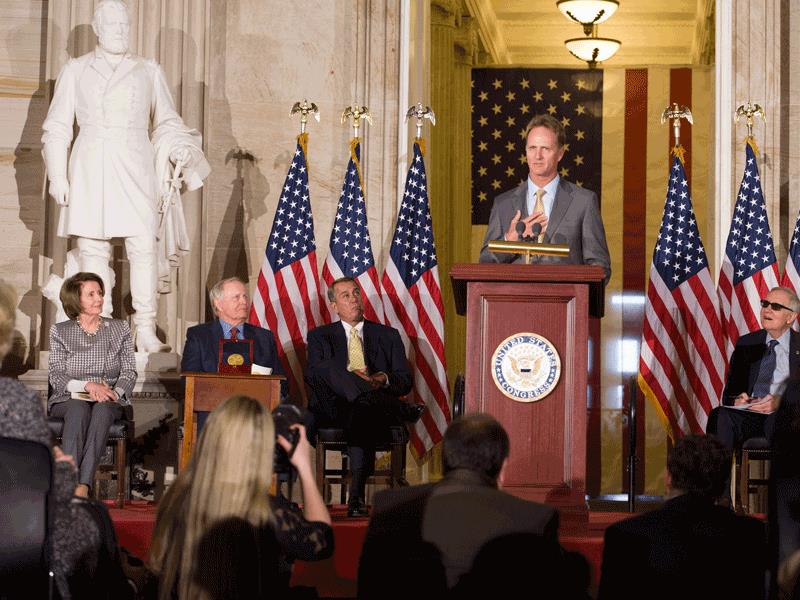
(358,373)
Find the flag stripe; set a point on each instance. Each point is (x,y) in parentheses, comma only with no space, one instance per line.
(412,302)
(287,297)
(681,368)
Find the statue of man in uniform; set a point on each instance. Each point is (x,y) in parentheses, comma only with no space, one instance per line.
(117,171)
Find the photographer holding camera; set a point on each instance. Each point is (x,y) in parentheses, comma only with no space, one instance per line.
(218,533)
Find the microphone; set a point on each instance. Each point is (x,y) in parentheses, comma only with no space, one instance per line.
(520,228)
(536,231)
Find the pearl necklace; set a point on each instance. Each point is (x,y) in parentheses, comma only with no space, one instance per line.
(89,333)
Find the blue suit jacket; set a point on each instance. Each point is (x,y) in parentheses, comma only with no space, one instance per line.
(326,371)
(201,352)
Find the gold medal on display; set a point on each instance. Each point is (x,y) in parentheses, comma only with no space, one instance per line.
(235,360)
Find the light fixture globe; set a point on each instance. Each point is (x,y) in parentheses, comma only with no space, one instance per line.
(588,12)
(592,49)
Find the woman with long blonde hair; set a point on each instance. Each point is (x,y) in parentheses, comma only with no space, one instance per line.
(219,533)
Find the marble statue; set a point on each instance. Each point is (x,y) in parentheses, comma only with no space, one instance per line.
(118,182)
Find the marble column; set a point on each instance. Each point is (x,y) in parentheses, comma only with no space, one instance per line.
(757,61)
(454,48)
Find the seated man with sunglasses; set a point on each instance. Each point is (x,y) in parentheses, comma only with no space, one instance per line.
(762,363)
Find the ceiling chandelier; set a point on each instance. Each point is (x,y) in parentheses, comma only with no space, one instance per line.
(589,13)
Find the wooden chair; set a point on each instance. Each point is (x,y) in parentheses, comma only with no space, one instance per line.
(754,449)
(119,435)
(334,440)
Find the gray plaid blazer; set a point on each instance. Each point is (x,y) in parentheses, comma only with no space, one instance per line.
(107,356)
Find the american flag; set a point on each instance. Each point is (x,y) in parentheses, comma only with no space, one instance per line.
(288,298)
(682,361)
(504,100)
(791,274)
(412,300)
(749,268)
(350,252)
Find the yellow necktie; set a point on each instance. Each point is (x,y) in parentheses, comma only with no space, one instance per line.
(355,352)
(539,207)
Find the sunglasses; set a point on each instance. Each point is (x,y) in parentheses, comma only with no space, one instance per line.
(774,305)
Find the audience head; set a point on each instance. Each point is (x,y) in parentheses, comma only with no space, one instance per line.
(230,300)
(476,442)
(228,477)
(8,311)
(346,300)
(699,465)
(782,306)
(81,294)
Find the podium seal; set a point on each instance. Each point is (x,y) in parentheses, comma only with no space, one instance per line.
(526,367)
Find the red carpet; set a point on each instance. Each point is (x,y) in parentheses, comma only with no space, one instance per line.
(336,577)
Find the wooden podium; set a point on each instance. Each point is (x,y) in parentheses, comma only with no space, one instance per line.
(547,462)
(206,391)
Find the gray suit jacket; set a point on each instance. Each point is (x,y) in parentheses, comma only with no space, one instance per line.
(575,221)
(107,356)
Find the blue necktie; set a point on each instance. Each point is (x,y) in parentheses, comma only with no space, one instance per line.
(765,371)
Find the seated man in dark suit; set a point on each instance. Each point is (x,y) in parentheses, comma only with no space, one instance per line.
(437,531)
(761,364)
(231,305)
(688,548)
(358,373)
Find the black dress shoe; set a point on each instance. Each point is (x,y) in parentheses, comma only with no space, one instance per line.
(412,412)
(357,508)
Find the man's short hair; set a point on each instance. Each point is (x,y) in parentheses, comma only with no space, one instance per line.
(70,294)
(794,301)
(331,293)
(699,464)
(476,442)
(550,123)
(217,291)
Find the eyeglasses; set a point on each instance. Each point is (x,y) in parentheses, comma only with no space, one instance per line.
(774,305)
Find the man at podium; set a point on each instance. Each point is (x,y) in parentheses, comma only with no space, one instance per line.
(231,304)
(546,208)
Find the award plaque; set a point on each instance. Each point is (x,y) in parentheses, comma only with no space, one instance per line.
(235,356)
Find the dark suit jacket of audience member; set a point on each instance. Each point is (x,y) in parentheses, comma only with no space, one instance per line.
(784,493)
(433,533)
(327,372)
(688,548)
(201,352)
(746,360)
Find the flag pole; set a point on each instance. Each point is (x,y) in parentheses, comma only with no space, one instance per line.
(304,108)
(421,114)
(749,111)
(675,113)
(356,113)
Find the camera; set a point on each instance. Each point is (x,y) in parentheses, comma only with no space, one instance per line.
(284,416)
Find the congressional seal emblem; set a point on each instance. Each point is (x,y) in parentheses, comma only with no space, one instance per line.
(526,367)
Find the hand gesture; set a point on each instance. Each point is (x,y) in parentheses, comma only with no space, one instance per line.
(301,457)
(100,392)
(767,404)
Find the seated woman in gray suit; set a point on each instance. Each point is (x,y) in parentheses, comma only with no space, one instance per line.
(92,373)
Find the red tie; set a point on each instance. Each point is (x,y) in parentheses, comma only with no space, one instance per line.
(234,333)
